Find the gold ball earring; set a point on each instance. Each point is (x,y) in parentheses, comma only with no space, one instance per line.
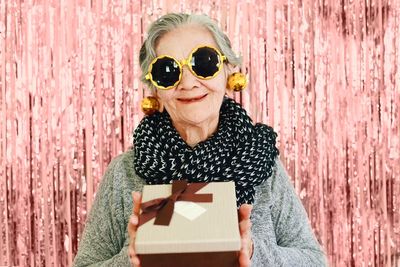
(237,81)
(150,105)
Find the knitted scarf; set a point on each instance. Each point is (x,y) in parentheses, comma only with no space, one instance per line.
(238,151)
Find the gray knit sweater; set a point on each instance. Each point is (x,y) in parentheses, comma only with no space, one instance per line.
(281,232)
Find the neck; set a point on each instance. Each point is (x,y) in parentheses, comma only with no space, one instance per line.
(193,134)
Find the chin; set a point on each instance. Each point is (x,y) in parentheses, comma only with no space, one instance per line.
(196,119)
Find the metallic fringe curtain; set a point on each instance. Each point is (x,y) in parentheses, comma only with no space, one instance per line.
(324,73)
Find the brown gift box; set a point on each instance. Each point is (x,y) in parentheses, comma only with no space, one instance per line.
(211,239)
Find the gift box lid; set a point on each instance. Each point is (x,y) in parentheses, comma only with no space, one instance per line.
(215,230)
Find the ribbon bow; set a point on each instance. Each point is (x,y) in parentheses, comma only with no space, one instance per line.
(163,208)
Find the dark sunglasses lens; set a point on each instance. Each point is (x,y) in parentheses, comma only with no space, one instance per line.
(205,62)
(165,71)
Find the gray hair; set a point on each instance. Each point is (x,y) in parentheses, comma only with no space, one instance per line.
(172,21)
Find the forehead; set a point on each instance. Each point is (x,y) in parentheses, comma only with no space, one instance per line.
(181,41)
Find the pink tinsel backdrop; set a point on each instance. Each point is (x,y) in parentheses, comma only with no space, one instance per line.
(324,73)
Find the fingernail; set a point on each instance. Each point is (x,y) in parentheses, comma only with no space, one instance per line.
(134,220)
(135,261)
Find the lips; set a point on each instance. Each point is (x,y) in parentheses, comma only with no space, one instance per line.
(192,99)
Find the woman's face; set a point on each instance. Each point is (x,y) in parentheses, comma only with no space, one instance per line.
(193,101)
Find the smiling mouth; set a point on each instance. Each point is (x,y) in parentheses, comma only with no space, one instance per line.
(192,100)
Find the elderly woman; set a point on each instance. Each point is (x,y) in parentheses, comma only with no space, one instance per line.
(201,135)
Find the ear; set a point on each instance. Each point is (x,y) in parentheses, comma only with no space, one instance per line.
(229,69)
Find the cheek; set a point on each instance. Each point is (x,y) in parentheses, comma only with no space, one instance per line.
(166,96)
(217,86)
(220,82)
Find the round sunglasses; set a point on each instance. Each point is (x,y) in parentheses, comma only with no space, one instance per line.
(165,72)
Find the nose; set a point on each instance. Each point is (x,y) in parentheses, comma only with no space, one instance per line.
(188,80)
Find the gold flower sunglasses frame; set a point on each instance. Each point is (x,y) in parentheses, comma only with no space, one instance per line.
(190,63)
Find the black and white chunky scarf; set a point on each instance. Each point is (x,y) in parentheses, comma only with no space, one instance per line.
(239,151)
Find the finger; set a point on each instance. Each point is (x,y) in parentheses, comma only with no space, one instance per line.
(131,252)
(132,226)
(137,199)
(244,259)
(245,211)
(134,257)
(245,233)
(245,243)
(135,261)
(244,226)
(134,219)
(251,247)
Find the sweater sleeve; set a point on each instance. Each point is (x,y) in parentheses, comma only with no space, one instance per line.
(105,239)
(282,234)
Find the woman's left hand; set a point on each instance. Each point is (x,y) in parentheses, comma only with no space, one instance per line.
(245,232)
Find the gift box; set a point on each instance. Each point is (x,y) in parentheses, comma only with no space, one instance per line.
(194,225)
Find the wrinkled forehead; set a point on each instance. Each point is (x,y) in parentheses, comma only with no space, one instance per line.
(179,42)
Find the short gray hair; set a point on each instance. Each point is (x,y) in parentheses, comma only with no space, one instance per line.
(172,21)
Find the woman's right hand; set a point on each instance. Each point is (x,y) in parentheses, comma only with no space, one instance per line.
(132,227)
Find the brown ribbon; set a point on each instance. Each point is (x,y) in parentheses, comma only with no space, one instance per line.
(163,208)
